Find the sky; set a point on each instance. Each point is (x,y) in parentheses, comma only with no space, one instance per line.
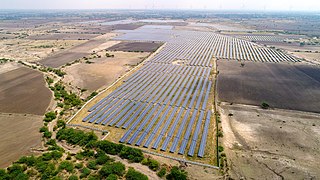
(285,5)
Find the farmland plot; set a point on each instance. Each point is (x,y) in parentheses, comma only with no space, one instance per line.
(283,86)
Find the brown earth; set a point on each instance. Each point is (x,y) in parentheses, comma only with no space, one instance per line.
(103,71)
(125,26)
(270,144)
(23,90)
(63,36)
(19,133)
(136,46)
(284,86)
(33,50)
(76,52)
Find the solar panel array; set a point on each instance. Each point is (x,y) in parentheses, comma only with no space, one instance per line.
(268,37)
(159,104)
(164,104)
(220,46)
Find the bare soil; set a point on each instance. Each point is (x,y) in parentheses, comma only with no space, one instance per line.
(23,90)
(284,86)
(104,71)
(63,36)
(125,26)
(136,46)
(19,133)
(33,50)
(273,144)
(75,52)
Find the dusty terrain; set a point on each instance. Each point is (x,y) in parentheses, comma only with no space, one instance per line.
(76,52)
(63,36)
(19,133)
(103,71)
(135,46)
(33,50)
(283,86)
(23,90)
(270,144)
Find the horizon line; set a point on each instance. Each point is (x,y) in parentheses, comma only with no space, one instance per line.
(162,9)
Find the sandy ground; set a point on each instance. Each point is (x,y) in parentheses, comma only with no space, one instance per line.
(19,133)
(23,90)
(103,71)
(270,144)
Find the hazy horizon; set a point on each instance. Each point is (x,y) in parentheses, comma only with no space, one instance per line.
(227,5)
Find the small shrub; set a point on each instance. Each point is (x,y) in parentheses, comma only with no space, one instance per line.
(73,177)
(92,164)
(220,148)
(79,165)
(49,116)
(264,105)
(135,175)
(68,166)
(162,172)
(177,174)
(85,172)
(112,177)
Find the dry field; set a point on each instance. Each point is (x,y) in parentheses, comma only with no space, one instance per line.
(19,133)
(63,36)
(33,50)
(103,71)
(311,56)
(136,46)
(273,144)
(125,26)
(282,86)
(76,52)
(23,90)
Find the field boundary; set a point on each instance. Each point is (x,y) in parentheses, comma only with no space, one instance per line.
(181,160)
(126,74)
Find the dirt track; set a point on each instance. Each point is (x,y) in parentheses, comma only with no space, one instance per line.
(23,90)
(283,86)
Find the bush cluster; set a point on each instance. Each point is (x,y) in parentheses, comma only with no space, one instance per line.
(69,99)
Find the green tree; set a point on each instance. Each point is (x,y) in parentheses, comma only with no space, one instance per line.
(73,177)
(132,154)
(114,168)
(68,166)
(135,175)
(162,172)
(177,174)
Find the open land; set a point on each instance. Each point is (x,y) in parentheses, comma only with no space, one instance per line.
(19,87)
(283,86)
(136,46)
(76,52)
(273,144)
(103,71)
(19,133)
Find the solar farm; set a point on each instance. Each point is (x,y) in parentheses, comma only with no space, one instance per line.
(167,105)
